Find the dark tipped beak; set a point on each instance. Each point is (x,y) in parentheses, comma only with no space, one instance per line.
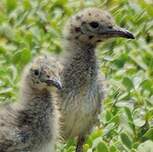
(55,83)
(123,33)
(119,32)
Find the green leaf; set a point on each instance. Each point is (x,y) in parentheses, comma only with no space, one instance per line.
(94,135)
(128,113)
(6,90)
(22,57)
(11,5)
(102,147)
(108,116)
(139,117)
(126,140)
(147,84)
(96,142)
(113,148)
(27,4)
(147,146)
(149,134)
(128,83)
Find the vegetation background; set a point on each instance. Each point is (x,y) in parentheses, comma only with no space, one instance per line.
(29,27)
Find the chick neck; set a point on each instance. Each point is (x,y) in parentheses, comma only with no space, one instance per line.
(80,68)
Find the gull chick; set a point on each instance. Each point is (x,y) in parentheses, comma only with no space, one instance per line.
(32,124)
(83,91)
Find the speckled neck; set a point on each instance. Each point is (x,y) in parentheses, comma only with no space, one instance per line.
(80,68)
(33,117)
(35,103)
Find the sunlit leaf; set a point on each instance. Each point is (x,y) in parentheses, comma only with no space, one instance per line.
(147,146)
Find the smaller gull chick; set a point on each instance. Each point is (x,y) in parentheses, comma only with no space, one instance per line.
(32,125)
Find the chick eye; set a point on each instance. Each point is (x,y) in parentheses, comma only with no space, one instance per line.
(94,24)
(36,72)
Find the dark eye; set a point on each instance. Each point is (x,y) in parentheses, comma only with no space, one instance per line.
(94,24)
(36,72)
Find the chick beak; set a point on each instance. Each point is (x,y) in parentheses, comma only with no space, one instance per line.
(55,83)
(118,32)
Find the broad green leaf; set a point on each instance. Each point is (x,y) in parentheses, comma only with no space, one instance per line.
(128,113)
(126,140)
(11,5)
(128,83)
(147,84)
(102,147)
(22,56)
(149,134)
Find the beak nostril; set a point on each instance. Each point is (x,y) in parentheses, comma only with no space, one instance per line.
(91,36)
(77,29)
(110,27)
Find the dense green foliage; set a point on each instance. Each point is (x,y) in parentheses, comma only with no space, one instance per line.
(28,27)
